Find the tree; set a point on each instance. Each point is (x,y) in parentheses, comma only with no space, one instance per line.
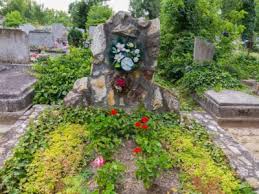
(98,14)
(79,11)
(145,8)
(257,17)
(13,19)
(249,19)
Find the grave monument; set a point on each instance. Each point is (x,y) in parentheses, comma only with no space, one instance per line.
(125,51)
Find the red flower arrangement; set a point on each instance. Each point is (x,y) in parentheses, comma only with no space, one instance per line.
(142,123)
(114,112)
(120,82)
(137,150)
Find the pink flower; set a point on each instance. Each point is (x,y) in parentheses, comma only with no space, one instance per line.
(98,162)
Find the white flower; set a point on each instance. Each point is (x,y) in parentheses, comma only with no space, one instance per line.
(137,51)
(120,47)
(135,59)
(118,57)
(127,50)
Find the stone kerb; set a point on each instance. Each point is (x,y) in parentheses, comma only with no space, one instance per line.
(100,89)
(14,47)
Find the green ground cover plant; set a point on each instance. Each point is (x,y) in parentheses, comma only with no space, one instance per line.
(56,76)
(71,139)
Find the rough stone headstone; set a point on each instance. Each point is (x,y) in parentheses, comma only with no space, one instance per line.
(27,28)
(203,50)
(59,32)
(91,32)
(14,47)
(41,39)
(232,108)
(129,86)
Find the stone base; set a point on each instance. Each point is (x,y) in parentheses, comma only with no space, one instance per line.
(232,108)
(16,92)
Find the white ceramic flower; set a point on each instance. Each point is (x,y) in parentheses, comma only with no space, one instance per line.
(127,64)
(135,59)
(118,57)
(120,47)
(137,51)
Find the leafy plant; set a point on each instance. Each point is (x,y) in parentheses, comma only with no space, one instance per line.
(75,38)
(108,176)
(56,76)
(98,14)
(13,19)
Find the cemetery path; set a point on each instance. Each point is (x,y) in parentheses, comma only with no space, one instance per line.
(241,146)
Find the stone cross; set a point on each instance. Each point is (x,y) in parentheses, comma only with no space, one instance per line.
(125,51)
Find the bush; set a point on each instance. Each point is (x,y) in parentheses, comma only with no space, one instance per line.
(13,19)
(62,158)
(97,15)
(56,76)
(204,77)
(75,38)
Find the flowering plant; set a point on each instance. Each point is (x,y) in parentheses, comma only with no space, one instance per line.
(125,56)
(98,162)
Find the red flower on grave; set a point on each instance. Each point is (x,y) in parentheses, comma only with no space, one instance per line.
(144,127)
(144,119)
(138,124)
(114,112)
(120,82)
(137,150)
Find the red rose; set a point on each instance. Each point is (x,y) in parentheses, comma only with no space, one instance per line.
(144,119)
(137,150)
(144,127)
(114,112)
(120,82)
(138,124)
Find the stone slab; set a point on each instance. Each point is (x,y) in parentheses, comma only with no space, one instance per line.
(232,108)
(16,90)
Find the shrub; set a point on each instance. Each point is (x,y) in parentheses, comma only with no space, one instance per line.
(13,19)
(204,77)
(98,14)
(75,38)
(56,76)
(62,158)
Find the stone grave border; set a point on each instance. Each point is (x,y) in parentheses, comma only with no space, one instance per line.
(11,138)
(241,160)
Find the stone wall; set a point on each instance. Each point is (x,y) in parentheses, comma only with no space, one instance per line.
(41,39)
(14,46)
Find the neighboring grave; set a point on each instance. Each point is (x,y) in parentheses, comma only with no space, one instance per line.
(203,50)
(232,108)
(40,39)
(14,47)
(59,32)
(27,28)
(125,53)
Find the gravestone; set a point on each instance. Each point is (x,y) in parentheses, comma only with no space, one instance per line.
(27,28)
(59,32)
(232,108)
(14,47)
(39,39)
(125,51)
(203,50)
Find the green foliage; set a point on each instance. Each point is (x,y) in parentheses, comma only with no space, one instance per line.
(79,11)
(181,20)
(145,8)
(62,158)
(249,20)
(34,13)
(13,19)
(243,66)
(56,76)
(210,76)
(97,15)
(108,176)
(75,37)
(257,16)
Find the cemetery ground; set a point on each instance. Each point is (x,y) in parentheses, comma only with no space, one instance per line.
(77,146)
